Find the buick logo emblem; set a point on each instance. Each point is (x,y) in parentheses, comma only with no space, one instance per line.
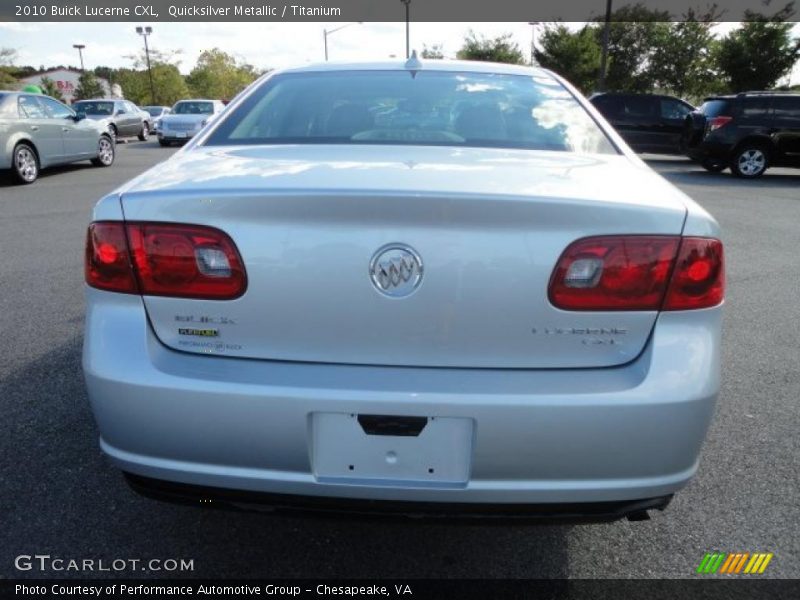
(396,270)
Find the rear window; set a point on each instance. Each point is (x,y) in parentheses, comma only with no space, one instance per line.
(405,108)
(193,108)
(716,108)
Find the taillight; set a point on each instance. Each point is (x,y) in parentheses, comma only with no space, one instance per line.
(185,261)
(717,122)
(108,264)
(638,272)
(698,280)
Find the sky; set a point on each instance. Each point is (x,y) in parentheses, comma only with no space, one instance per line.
(264,45)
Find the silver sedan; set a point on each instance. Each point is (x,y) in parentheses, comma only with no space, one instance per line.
(422,287)
(37,131)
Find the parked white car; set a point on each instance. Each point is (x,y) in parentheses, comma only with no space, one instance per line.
(425,287)
(186,119)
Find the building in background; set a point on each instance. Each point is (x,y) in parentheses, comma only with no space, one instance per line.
(67,82)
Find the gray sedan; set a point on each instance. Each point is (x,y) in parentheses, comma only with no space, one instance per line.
(37,131)
(121,117)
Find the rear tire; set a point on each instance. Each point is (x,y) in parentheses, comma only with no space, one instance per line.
(145,132)
(105,152)
(750,160)
(112,131)
(25,164)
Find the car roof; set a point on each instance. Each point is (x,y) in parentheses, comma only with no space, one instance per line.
(100,100)
(422,65)
(197,100)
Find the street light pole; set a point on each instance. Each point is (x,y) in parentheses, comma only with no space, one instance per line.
(604,55)
(408,39)
(327,32)
(144,32)
(80,48)
(533,25)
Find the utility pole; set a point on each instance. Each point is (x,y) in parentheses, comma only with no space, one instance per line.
(533,25)
(604,55)
(80,48)
(144,32)
(408,42)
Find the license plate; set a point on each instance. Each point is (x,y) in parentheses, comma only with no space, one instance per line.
(181,134)
(440,456)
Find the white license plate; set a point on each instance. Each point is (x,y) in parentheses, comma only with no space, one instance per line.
(181,134)
(439,456)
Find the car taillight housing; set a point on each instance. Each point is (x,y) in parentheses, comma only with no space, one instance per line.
(638,272)
(164,259)
(716,122)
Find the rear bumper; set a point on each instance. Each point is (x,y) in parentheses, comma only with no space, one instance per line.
(210,497)
(540,437)
(710,149)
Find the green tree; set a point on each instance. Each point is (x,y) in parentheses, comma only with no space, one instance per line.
(218,74)
(760,52)
(50,88)
(7,78)
(88,87)
(635,35)
(683,63)
(500,49)
(170,86)
(432,52)
(168,82)
(573,55)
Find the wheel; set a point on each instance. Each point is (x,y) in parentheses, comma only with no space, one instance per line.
(105,152)
(112,131)
(750,161)
(145,132)
(25,163)
(713,166)
(164,143)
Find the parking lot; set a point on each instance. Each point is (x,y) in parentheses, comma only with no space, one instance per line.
(62,497)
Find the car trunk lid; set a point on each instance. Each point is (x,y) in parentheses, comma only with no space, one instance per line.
(487,225)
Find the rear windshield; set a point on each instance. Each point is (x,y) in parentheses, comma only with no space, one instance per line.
(715,108)
(94,108)
(405,108)
(154,111)
(193,108)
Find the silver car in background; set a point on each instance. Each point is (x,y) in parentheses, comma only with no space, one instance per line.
(156,112)
(37,132)
(122,117)
(425,287)
(186,119)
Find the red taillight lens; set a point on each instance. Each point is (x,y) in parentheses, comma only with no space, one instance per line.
(636,272)
(108,265)
(699,277)
(186,261)
(717,122)
(614,273)
(164,259)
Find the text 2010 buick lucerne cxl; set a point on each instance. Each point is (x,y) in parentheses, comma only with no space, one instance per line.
(437,288)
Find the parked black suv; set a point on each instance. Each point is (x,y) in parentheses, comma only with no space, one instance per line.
(747,132)
(648,122)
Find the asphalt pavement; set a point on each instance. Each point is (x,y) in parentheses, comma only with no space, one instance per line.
(60,496)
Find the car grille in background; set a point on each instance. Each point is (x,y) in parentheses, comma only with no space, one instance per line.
(179,126)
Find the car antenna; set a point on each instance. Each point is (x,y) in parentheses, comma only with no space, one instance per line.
(413,64)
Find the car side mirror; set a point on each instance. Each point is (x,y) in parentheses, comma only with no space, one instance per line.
(78,117)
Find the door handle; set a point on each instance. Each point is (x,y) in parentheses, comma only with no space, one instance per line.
(34,128)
